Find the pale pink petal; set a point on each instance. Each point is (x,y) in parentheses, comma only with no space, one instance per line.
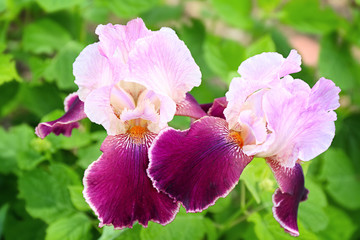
(164,64)
(239,91)
(91,71)
(269,66)
(297,131)
(325,95)
(116,41)
(99,110)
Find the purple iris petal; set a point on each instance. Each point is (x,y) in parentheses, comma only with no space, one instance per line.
(217,109)
(189,107)
(287,197)
(118,189)
(74,112)
(197,166)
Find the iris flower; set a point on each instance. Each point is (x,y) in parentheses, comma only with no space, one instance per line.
(266,114)
(132,82)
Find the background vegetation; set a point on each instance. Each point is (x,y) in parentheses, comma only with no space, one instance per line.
(40,180)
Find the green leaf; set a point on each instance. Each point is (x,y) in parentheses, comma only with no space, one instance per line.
(78,139)
(44,36)
(340,225)
(17,150)
(190,227)
(24,229)
(337,63)
(89,154)
(258,179)
(311,212)
(234,12)
(109,233)
(77,198)
(61,67)
(264,44)
(267,228)
(56,5)
(46,192)
(180,122)
(7,69)
(164,13)
(75,227)
(220,205)
(268,5)
(347,137)
(342,182)
(223,56)
(3,211)
(130,8)
(40,99)
(307,16)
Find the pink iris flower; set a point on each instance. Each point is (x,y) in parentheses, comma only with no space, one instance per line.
(266,114)
(132,82)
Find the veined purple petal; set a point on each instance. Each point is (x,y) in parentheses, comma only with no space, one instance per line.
(74,108)
(218,107)
(118,189)
(287,197)
(197,166)
(189,107)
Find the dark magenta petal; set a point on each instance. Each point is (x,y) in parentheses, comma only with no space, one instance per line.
(74,112)
(118,189)
(189,107)
(206,106)
(287,197)
(217,109)
(196,166)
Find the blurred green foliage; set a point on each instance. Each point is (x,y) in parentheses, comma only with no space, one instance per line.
(40,180)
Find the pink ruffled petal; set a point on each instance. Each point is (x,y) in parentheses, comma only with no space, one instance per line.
(239,90)
(270,66)
(74,112)
(118,189)
(197,166)
(116,41)
(300,129)
(287,197)
(99,110)
(92,71)
(163,64)
(324,95)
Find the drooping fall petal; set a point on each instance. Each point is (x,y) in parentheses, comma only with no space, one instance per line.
(74,112)
(118,189)
(197,166)
(287,197)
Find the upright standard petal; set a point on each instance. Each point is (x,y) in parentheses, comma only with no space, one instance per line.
(199,165)
(92,71)
(266,67)
(300,129)
(74,112)
(117,187)
(116,41)
(164,64)
(287,197)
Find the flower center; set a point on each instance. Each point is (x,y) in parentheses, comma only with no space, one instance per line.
(137,133)
(236,137)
